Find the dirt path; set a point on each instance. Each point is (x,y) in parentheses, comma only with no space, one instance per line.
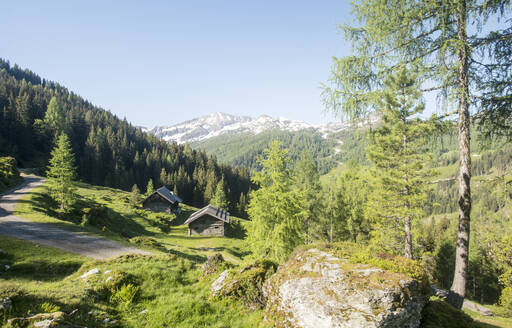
(45,234)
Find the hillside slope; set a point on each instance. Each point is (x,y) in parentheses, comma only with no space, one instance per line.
(108,151)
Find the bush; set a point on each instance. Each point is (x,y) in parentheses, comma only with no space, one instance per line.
(48,307)
(9,174)
(125,295)
(506,293)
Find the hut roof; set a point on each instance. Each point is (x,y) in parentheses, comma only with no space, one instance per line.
(167,195)
(210,210)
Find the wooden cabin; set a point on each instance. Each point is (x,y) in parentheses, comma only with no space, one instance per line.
(163,200)
(208,221)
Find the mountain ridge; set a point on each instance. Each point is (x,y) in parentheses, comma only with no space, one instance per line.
(216,124)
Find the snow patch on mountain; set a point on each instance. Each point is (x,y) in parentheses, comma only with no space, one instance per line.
(209,126)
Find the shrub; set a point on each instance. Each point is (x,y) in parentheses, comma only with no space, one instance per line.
(125,295)
(506,293)
(48,307)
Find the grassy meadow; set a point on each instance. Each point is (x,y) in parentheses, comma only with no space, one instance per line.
(163,290)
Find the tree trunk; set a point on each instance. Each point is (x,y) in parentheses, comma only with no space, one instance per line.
(458,289)
(407,219)
(408,238)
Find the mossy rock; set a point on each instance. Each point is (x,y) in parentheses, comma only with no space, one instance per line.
(246,283)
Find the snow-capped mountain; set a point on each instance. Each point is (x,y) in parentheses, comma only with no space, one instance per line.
(216,124)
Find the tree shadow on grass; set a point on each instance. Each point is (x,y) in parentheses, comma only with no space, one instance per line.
(191,257)
(42,270)
(88,212)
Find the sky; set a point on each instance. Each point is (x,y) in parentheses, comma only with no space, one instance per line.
(164,62)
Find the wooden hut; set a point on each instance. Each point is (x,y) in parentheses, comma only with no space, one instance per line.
(163,200)
(208,221)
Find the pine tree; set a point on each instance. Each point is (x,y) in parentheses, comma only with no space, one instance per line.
(219,198)
(135,195)
(307,182)
(54,118)
(61,173)
(277,218)
(149,188)
(399,154)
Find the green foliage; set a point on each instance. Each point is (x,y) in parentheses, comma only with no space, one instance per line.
(398,151)
(149,187)
(309,190)
(9,174)
(125,295)
(244,149)
(275,210)
(346,203)
(135,196)
(219,199)
(54,118)
(61,173)
(48,307)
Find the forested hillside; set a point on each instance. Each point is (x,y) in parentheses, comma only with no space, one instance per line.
(243,150)
(108,151)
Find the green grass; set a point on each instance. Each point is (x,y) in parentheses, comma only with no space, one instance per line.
(167,286)
(111,215)
(439,314)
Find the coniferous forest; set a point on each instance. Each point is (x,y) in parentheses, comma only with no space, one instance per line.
(109,151)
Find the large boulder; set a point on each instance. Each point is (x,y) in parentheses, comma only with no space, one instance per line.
(317,289)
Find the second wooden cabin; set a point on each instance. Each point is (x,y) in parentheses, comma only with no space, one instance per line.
(208,221)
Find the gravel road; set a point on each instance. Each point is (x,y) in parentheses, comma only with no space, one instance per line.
(45,234)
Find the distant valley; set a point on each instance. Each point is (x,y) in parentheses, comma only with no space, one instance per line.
(239,140)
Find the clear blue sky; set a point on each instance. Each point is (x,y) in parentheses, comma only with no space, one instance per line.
(162,62)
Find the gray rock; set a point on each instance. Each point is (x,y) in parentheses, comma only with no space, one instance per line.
(472,306)
(219,283)
(316,289)
(90,272)
(212,264)
(5,304)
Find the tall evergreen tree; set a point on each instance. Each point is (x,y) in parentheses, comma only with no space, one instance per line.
(399,154)
(54,118)
(307,182)
(277,218)
(149,187)
(432,35)
(61,173)
(219,198)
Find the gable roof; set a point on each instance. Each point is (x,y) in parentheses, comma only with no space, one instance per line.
(167,195)
(209,210)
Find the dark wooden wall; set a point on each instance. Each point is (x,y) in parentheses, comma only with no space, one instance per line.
(207,226)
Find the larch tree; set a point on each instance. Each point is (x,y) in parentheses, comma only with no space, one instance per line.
(461,69)
(220,199)
(150,188)
(61,173)
(54,118)
(274,209)
(398,152)
(307,182)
